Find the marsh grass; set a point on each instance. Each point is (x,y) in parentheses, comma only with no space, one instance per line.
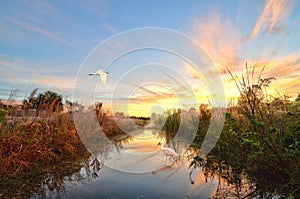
(31,143)
(37,156)
(260,139)
(39,146)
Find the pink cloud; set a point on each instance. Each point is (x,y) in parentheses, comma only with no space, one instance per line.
(219,39)
(273,13)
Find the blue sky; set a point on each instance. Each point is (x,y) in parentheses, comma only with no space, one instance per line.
(43,43)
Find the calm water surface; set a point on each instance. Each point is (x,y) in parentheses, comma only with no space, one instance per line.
(136,168)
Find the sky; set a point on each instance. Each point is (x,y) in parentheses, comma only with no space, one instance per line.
(47,44)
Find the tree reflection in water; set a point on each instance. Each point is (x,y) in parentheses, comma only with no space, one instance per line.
(232,182)
(56,182)
(63,178)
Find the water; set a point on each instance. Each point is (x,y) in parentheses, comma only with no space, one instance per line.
(169,182)
(136,168)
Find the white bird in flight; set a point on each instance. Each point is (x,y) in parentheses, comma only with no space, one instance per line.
(168,151)
(102,74)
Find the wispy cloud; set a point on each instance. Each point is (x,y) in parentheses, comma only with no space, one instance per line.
(60,83)
(41,31)
(42,21)
(111,28)
(279,67)
(223,44)
(219,39)
(41,6)
(274,12)
(25,74)
(182,87)
(284,66)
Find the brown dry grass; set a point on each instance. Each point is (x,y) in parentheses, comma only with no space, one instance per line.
(29,147)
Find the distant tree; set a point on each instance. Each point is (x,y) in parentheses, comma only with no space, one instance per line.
(50,101)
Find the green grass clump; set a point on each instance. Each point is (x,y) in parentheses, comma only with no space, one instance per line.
(260,138)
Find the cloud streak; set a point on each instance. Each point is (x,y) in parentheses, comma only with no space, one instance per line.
(41,32)
(26,75)
(274,12)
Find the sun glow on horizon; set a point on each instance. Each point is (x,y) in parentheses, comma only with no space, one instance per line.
(267,35)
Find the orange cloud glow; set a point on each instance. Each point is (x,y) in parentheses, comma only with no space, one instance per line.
(219,39)
(64,83)
(224,45)
(141,100)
